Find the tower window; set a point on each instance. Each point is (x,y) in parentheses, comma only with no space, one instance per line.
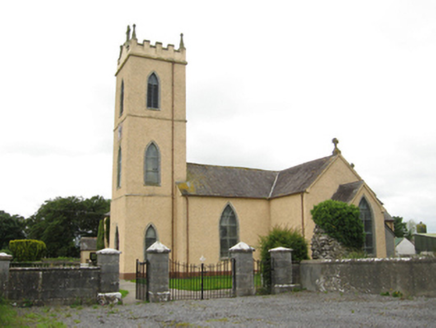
(366,217)
(153,92)
(122,98)
(152,165)
(228,231)
(119,160)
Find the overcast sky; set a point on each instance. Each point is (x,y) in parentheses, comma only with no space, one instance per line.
(269,85)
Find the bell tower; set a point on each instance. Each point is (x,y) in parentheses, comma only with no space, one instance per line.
(149,151)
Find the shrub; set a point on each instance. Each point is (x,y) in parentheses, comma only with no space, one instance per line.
(27,249)
(340,221)
(284,237)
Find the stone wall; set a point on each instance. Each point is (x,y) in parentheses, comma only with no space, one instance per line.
(414,277)
(325,247)
(65,285)
(60,285)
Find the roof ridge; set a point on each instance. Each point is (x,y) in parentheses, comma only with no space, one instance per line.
(273,186)
(235,167)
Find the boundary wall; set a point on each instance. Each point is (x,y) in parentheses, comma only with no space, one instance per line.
(60,285)
(410,276)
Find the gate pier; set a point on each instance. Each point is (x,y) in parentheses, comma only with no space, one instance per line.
(281,275)
(158,273)
(243,279)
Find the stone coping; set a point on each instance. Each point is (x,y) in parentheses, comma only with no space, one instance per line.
(108,251)
(5,257)
(241,247)
(69,268)
(280,249)
(373,259)
(158,247)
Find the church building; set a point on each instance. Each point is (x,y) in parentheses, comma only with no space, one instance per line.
(201,210)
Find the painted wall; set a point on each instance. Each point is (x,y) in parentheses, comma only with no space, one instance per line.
(204,218)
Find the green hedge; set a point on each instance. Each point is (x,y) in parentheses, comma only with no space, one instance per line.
(340,221)
(27,249)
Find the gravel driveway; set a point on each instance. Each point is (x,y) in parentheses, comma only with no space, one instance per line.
(297,309)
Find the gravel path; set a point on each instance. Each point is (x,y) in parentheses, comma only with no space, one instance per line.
(297,309)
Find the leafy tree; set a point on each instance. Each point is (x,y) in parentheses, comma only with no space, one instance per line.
(61,222)
(400,227)
(421,228)
(340,221)
(411,229)
(11,227)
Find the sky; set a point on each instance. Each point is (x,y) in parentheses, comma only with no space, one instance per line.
(269,85)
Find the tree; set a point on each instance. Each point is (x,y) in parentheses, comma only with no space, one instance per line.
(411,229)
(11,227)
(421,228)
(61,222)
(400,227)
(341,222)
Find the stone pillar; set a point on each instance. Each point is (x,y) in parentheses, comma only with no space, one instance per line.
(281,275)
(243,278)
(4,273)
(158,273)
(108,260)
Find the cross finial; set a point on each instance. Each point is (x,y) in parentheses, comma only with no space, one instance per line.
(336,151)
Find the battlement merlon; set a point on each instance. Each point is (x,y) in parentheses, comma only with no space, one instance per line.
(132,48)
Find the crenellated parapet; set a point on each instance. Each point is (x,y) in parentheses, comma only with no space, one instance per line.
(133,48)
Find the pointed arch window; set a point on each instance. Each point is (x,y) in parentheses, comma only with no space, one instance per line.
(119,160)
(150,237)
(152,166)
(367,219)
(122,98)
(153,92)
(228,231)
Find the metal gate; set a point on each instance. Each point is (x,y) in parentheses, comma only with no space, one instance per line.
(201,281)
(141,281)
(262,272)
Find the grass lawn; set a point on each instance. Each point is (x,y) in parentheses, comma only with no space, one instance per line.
(209,283)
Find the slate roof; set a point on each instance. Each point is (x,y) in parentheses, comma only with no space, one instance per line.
(223,181)
(346,192)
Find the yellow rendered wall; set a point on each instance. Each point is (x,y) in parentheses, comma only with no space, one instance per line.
(204,218)
(286,212)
